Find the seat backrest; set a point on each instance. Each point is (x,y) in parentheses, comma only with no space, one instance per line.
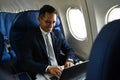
(6,19)
(7,54)
(105,54)
(25,21)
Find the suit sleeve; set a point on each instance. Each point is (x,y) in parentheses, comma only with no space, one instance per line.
(65,47)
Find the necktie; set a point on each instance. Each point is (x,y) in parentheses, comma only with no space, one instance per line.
(50,51)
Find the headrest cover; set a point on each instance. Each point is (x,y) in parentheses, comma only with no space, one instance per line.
(57,21)
(6,20)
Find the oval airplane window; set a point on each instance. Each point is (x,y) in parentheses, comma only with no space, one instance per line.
(76,23)
(113,14)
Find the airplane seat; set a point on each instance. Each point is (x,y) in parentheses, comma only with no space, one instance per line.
(7,54)
(58,25)
(6,20)
(25,21)
(104,57)
(20,25)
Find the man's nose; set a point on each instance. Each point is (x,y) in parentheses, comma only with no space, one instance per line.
(51,24)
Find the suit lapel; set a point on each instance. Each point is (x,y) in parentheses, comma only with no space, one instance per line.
(54,41)
(41,41)
(54,38)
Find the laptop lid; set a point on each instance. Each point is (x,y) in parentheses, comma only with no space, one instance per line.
(74,72)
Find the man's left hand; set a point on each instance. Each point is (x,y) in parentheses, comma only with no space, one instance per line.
(68,64)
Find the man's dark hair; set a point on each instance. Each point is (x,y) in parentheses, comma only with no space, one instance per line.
(46,8)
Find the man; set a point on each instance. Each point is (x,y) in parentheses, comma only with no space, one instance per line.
(36,55)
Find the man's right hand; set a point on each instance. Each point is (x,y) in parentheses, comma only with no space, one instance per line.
(55,70)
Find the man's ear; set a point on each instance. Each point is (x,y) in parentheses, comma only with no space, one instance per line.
(39,18)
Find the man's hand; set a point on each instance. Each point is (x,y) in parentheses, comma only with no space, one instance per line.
(55,70)
(68,64)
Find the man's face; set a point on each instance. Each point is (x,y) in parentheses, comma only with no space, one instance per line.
(48,21)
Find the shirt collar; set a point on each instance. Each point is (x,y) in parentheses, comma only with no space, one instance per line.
(43,32)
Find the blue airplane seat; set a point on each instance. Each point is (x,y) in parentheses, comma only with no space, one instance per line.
(104,60)
(58,25)
(7,54)
(4,54)
(6,20)
(25,21)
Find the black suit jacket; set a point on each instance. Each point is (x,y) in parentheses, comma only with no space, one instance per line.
(34,57)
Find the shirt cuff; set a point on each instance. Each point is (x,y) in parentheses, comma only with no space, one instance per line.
(69,59)
(46,70)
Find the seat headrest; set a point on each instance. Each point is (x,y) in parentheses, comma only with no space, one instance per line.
(105,54)
(27,20)
(57,21)
(24,21)
(6,20)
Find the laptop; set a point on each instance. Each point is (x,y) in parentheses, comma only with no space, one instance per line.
(77,72)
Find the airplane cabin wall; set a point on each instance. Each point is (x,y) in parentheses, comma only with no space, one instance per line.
(101,8)
(82,48)
(94,12)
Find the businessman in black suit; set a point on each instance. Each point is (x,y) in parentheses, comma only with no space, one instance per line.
(35,54)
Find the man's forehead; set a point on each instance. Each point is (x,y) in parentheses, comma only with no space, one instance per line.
(50,16)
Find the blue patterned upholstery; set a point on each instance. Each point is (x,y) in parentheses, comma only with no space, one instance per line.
(6,20)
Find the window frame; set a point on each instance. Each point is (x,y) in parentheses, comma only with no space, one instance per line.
(70,27)
(109,12)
